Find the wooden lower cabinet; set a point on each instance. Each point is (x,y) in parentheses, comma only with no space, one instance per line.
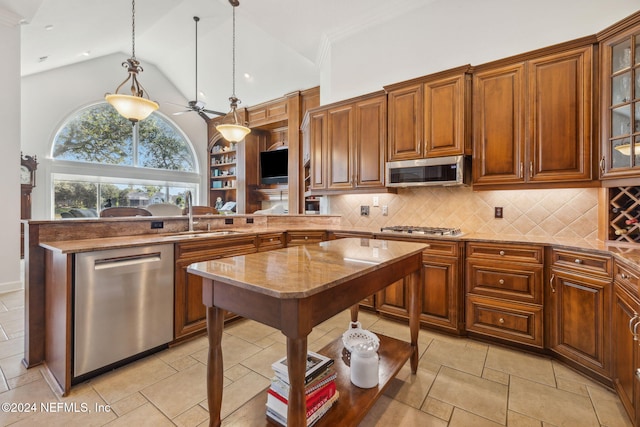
(625,337)
(441,289)
(504,292)
(190,313)
(578,308)
(267,242)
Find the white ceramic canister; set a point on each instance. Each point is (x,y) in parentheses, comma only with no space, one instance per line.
(364,365)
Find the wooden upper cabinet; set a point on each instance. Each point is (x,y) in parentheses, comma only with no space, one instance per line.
(268,113)
(346,142)
(405,123)
(498,125)
(429,116)
(317,143)
(620,101)
(560,107)
(340,133)
(447,115)
(370,137)
(532,118)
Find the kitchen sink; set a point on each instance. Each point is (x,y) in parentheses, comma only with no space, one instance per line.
(196,234)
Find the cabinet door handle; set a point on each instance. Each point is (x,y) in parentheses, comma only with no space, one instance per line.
(635,316)
(530,169)
(635,331)
(521,170)
(602,164)
(553,289)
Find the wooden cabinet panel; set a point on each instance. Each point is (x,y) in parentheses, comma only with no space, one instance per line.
(340,135)
(370,138)
(347,141)
(504,292)
(392,300)
(442,293)
(317,143)
(267,242)
(405,123)
(560,88)
(516,282)
(304,237)
(532,118)
(579,320)
(517,322)
(446,116)
(588,263)
(190,313)
(626,352)
(498,125)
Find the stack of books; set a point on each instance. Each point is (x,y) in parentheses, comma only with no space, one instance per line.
(320,389)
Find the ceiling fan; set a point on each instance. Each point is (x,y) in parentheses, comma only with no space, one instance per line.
(198,106)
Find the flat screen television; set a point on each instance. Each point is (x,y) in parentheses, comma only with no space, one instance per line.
(274,166)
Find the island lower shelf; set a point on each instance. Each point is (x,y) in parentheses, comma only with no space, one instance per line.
(354,402)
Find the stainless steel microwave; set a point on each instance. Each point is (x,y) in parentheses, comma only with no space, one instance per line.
(443,171)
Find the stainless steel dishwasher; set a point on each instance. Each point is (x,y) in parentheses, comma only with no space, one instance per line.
(123,304)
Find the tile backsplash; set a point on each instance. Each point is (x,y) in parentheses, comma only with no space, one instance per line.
(571,213)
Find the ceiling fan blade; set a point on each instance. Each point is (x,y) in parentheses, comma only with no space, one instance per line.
(177,113)
(217,113)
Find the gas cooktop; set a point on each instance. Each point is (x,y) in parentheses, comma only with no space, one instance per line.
(433,231)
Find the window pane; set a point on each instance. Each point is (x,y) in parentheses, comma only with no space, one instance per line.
(74,199)
(97,134)
(162,147)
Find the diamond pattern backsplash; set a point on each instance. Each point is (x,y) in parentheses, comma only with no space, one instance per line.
(567,213)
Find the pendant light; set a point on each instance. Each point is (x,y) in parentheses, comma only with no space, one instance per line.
(230,128)
(134,107)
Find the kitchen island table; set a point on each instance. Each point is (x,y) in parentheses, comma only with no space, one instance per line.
(294,289)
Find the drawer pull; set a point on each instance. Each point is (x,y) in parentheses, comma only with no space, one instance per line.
(306,237)
(624,276)
(501,253)
(501,320)
(501,281)
(553,289)
(578,261)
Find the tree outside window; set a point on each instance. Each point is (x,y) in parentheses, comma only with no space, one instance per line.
(99,135)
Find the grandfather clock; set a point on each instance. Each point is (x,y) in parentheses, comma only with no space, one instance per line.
(28,165)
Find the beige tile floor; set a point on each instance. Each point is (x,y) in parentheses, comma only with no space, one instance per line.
(460,383)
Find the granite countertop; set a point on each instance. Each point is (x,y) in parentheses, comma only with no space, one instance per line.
(627,253)
(301,271)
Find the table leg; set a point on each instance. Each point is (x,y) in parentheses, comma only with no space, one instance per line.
(354,312)
(215,324)
(415,299)
(296,363)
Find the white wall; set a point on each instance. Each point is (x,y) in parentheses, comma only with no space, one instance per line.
(10,151)
(49,98)
(448,33)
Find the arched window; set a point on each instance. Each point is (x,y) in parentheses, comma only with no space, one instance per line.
(101,160)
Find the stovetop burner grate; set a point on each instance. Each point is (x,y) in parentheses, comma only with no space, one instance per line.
(410,229)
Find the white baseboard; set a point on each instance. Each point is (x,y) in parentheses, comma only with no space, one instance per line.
(11,286)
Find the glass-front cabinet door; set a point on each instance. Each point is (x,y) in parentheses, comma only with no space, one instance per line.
(621,106)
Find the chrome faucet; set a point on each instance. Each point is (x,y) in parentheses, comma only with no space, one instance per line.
(189,198)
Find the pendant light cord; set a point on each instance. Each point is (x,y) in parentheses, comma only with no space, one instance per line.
(133,29)
(234,54)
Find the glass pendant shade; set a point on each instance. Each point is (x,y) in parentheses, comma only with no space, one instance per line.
(133,108)
(234,132)
(626,149)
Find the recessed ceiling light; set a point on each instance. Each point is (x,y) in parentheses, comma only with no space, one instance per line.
(247,76)
(86,53)
(48,27)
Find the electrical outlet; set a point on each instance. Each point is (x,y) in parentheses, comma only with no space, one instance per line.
(385,210)
(157,224)
(497,212)
(364,210)
(376,201)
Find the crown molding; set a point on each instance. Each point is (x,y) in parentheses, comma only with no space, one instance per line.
(10,19)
